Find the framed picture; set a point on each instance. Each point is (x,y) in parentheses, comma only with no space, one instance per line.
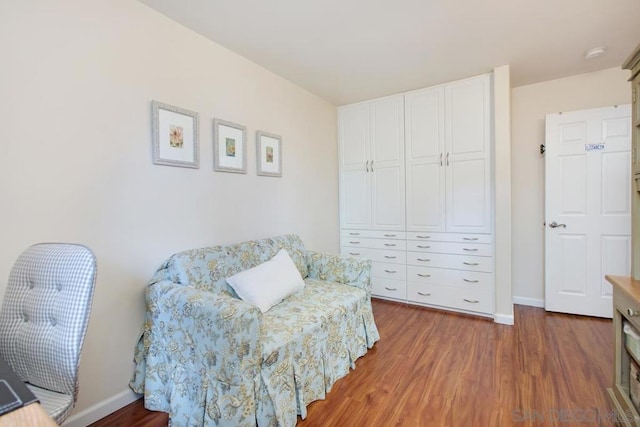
(175,136)
(229,148)
(269,154)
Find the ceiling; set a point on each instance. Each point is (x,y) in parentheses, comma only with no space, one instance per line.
(351,50)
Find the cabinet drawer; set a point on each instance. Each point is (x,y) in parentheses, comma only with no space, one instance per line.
(391,244)
(389,288)
(623,303)
(448,277)
(477,249)
(450,237)
(476,300)
(373,234)
(458,262)
(376,255)
(389,271)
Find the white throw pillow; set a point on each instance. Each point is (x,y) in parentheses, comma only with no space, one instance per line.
(267,284)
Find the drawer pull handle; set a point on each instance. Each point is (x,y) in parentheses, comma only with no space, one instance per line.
(423,294)
(391,289)
(355,243)
(470,263)
(632,313)
(390,271)
(354,234)
(471,239)
(470,250)
(390,257)
(354,253)
(470,281)
(424,259)
(390,244)
(475,301)
(389,235)
(423,237)
(424,275)
(424,246)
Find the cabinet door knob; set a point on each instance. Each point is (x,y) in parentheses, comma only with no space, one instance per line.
(389,235)
(424,275)
(423,259)
(390,271)
(366,166)
(390,257)
(390,244)
(423,294)
(423,237)
(475,301)
(391,289)
(470,238)
(469,250)
(631,312)
(354,253)
(423,246)
(469,263)
(470,281)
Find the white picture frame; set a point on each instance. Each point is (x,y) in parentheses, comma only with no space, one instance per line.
(174,136)
(229,147)
(269,154)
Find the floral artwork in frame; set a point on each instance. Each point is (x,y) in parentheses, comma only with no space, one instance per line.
(174,136)
(229,148)
(269,154)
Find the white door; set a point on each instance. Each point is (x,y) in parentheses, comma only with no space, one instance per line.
(424,137)
(587,208)
(355,175)
(468,155)
(387,163)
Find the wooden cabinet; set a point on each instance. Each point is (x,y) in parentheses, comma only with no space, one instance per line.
(626,309)
(371,140)
(448,157)
(633,64)
(387,250)
(451,270)
(434,145)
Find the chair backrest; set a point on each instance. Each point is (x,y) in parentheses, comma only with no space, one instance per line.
(45,313)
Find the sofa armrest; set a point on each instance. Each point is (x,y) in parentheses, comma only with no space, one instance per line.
(340,268)
(191,336)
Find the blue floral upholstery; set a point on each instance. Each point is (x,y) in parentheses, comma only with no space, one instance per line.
(208,358)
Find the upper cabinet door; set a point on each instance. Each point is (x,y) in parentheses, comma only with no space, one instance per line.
(425,172)
(355,175)
(387,164)
(468,105)
(468,155)
(353,122)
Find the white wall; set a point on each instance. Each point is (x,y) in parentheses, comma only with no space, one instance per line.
(530,104)
(502,173)
(76,81)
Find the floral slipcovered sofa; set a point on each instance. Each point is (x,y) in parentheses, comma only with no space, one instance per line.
(208,358)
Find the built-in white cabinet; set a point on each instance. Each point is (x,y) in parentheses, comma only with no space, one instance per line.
(448,157)
(416,194)
(372,177)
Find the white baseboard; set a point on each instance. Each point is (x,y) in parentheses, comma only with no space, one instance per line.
(101,409)
(532,302)
(503,319)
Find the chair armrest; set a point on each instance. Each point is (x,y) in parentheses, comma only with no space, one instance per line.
(192,336)
(340,268)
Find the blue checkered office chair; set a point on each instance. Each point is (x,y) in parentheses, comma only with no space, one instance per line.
(44,318)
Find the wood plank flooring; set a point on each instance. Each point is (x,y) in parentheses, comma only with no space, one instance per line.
(436,368)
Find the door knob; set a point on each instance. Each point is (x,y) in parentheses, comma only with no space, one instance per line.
(556,225)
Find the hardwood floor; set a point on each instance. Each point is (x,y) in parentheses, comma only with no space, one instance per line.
(436,368)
